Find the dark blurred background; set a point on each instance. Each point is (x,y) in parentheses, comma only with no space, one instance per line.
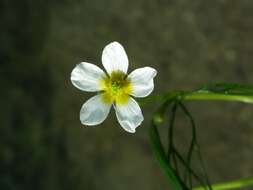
(43,146)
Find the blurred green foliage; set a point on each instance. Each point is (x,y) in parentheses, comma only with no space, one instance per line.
(42,143)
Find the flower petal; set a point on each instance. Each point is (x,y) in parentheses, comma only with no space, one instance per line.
(114,58)
(87,76)
(94,111)
(129,115)
(142,81)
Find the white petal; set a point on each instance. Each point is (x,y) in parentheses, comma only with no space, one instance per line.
(94,111)
(86,77)
(114,58)
(142,81)
(129,115)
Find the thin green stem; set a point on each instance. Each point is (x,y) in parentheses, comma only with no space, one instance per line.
(199,95)
(236,184)
(194,144)
(171,129)
(181,159)
(160,154)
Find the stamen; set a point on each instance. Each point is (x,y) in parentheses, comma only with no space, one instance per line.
(117,88)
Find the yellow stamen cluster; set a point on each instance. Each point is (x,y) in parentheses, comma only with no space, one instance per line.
(116,88)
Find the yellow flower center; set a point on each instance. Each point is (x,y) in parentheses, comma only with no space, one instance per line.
(116,88)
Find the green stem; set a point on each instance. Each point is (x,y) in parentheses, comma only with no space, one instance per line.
(240,183)
(217,96)
(198,95)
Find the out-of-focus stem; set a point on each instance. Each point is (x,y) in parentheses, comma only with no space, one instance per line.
(236,184)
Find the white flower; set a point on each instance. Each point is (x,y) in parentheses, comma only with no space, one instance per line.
(115,88)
